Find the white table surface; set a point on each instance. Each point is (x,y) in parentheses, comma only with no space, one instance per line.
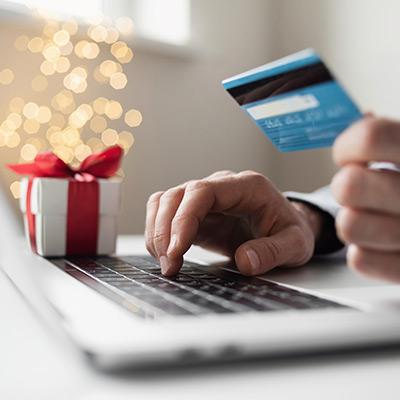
(37,362)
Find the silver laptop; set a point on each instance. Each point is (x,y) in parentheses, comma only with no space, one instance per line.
(121,312)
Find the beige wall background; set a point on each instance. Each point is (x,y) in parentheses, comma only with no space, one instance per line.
(192,128)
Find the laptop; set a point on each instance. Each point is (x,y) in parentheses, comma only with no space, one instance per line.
(122,313)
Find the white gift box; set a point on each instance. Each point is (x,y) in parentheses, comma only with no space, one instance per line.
(49,205)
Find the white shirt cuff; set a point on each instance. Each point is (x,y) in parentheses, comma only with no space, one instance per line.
(321,198)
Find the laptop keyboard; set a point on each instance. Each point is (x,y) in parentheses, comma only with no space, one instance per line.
(137,284)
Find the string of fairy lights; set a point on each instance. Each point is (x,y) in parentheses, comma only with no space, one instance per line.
(30,128)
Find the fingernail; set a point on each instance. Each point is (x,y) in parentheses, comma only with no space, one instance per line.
(172,243)
(165,264)
(254,260)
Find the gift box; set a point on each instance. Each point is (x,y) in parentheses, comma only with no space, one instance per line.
(71,211)
(84,223)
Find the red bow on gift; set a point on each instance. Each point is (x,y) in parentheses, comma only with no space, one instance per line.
(83,194)
(100,165)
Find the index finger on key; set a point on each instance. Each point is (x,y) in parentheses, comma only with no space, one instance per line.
(370,139)
(231,195)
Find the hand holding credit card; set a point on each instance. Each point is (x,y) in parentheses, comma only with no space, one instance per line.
(295,101)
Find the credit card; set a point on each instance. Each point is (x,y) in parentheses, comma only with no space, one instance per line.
(295,101)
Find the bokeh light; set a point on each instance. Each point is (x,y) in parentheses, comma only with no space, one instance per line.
(112,35)
(133,118)
(35,45)
(51,52)
(100,78)
(43,115)
(98,124)
(12,139)
(82,151)
(61,38)
(125,56)
(95,144)
(70,126)
(109,137)
(99,105)
(71,27)
(15,188)
(50,29)
(95,19)
(13,121)
(108,67)
(67,49)
(30,110)
(78,49)
(76,80)
(125,25)
(28,152)
(21,43)
(48,67)
(113,109)
(31,126)
(55,138)
(65,153)
(6,76)
(121,52)
(63,101)
(62,65)
(98,33)
(80,116)
(125,140)
(90,50)
(71,136)
(118,80)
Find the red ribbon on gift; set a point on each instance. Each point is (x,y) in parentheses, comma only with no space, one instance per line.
(83,194)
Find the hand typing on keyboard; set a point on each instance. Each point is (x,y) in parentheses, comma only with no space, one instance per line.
(241,215)
(244,216)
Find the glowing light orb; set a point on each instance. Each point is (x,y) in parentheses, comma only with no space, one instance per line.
(28,152)
(98,124)
(109,137)
(113,109)
(99,105)
(118,80)
(36,44)
(30,110)
(133,118)
(125,25)
(6,76)
(15,188)
(61,38)
(21,43)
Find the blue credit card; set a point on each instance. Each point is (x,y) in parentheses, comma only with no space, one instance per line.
(295,101)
